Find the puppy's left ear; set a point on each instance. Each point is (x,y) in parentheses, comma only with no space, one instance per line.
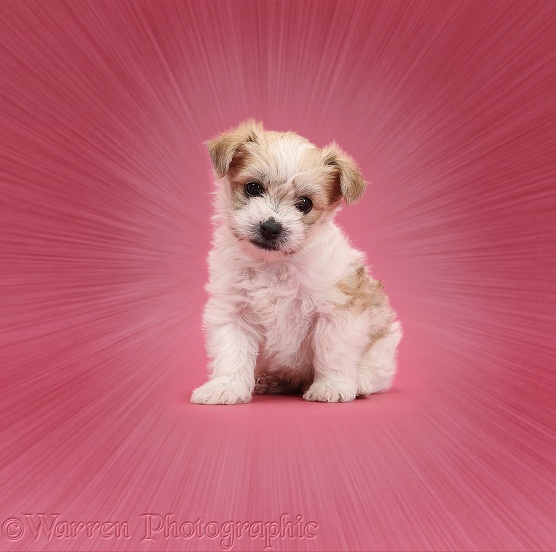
(226,146)
(351,180)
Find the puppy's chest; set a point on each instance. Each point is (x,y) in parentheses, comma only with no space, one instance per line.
(280,306)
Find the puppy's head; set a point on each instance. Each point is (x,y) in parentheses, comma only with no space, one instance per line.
(278,188)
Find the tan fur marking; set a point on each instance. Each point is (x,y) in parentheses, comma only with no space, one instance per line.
(374,338)
(351,181)
(239,199)
(224,147)
(362,291)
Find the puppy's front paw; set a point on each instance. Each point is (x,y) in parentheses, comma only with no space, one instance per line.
(221,391)
(328,390)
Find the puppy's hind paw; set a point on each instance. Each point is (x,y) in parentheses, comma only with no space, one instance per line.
(365,387)
(221,391)
(331,391)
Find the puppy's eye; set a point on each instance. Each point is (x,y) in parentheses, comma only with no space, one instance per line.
(254,189)
(304,204)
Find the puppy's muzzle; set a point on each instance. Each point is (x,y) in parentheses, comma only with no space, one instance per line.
(270,230)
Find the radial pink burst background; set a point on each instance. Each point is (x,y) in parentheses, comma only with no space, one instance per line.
(449,109)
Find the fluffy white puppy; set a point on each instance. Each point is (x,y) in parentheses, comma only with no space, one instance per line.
(292,307)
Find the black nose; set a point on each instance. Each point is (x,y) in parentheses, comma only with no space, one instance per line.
(270,229)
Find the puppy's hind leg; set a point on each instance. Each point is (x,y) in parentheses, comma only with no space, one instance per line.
(338,342)
(378,365)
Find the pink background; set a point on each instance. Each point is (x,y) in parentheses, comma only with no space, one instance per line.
(449,109)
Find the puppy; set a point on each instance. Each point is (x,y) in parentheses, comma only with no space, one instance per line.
(292,308)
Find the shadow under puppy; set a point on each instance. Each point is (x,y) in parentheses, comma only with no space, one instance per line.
(292,307)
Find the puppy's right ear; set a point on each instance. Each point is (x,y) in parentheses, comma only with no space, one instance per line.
(226,146)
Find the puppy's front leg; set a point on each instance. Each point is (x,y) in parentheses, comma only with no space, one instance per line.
(338,342)
(233,350)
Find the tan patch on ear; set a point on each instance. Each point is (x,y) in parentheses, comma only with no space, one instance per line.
(361,291)
(225,148)
(351,183)
(333,192)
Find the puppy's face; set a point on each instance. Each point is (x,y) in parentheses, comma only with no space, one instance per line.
(278,188)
